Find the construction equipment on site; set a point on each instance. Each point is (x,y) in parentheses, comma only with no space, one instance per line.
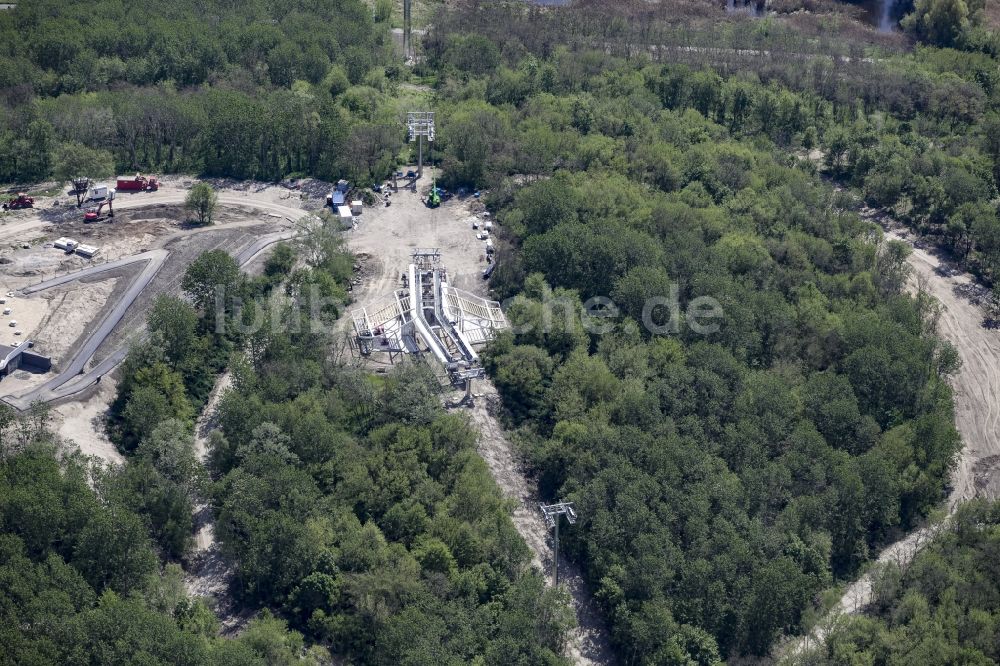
(428,312)
(434,198)
(96,213)
(22,200)
(138,183)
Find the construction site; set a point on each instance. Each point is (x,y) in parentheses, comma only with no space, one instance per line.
(78,274)
(77,280)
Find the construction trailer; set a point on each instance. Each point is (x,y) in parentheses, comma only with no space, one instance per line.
(338,196)
(66,244)
(345,217)
(430,315)
(99,192)
(86,251)
(336,199)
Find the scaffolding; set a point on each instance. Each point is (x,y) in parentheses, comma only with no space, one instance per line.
(427,313)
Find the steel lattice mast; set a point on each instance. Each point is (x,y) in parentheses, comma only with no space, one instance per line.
(420,124)
(551,513)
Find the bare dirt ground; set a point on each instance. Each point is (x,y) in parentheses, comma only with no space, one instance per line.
(82,423)
(71,309)
(207,572)
(977,412)
(25,313)
(991,14)
(389,235)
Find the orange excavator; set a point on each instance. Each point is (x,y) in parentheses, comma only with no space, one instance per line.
(96,213)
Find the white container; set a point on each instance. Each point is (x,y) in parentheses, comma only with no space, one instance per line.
(356,207)
(98,192)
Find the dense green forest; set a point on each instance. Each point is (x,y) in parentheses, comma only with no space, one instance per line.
(943,608)
(916,132)
(82,582)
(249,89)
(727,470)
(724,479)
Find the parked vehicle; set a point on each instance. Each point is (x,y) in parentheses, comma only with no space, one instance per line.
(22,200)
(96,213)
(138,183)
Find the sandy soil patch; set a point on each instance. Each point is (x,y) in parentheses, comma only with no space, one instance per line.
(588,643)
(71,309)
(82,423)
(390,234)
(28,314)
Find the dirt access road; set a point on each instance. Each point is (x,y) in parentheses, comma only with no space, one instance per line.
(977,411)
(173,190)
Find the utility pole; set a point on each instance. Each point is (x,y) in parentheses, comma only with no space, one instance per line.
(420,124)
(407,37)
(551,513)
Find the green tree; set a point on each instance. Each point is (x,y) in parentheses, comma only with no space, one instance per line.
(77,163)
(213,275)
(202,200)
(942,22)
(175,323)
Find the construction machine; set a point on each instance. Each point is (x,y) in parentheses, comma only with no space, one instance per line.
(96,212)
(434,198)
(22,200)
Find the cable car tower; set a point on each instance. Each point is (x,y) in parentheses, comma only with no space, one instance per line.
(551,513)
(420,124)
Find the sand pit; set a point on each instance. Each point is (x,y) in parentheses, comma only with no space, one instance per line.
(27,312)
(82,423)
